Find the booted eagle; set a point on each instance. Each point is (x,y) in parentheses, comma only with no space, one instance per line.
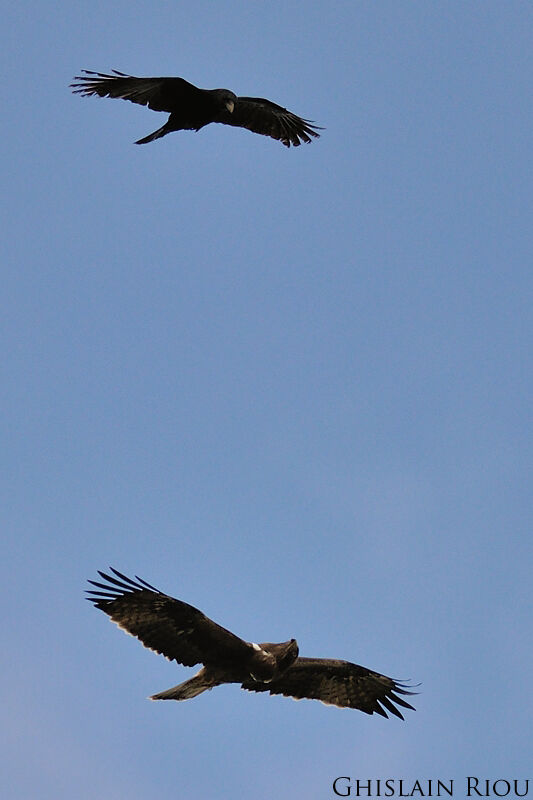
(183,634)
(191,108)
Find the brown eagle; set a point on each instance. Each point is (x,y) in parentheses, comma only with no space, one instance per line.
(183,634)
(191,108)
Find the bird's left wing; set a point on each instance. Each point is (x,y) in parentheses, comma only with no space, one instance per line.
(338,683)
(168,626)
(159,94)
(262,116)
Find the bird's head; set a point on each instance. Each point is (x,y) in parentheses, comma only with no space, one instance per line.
(291,653)
(229,102)
(227,99)
(285,654)
(222,101)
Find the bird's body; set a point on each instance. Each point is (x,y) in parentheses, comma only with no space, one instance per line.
(191,108)
(184,634)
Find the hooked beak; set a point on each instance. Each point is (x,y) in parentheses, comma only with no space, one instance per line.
(230,105)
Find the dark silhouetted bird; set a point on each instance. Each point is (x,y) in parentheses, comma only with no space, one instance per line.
(191,108)
(183,634)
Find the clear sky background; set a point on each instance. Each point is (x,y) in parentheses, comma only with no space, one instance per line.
(291,387)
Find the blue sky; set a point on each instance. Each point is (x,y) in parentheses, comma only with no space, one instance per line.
(291,387)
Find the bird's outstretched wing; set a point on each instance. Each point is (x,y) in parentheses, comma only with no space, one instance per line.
(170,627)
(262,116)
(159,94)
(338,683)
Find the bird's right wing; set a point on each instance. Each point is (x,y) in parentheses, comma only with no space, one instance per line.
(168,626)
(338,683)
(159,94)
(267,118)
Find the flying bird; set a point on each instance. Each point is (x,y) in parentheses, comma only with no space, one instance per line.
(184,634)
(191,108)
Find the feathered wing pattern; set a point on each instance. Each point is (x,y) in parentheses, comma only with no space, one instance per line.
(168,626)
(262,116)
(159,94)
(338,683)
